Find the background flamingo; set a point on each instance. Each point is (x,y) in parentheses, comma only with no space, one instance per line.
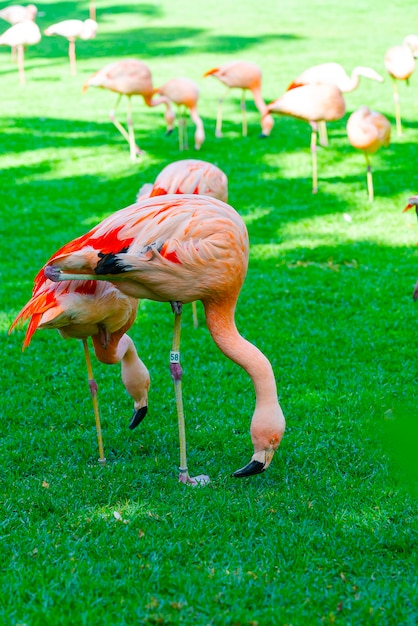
(83,309)
(129,78)
(188,176)
(399,63)
(16,13)
(368,130)
(312,103)
(333,74)
(177,249)
(242,75)
(185,94)
(18,36)
(72,30)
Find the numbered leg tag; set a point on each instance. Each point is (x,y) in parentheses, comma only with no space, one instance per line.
(174,356)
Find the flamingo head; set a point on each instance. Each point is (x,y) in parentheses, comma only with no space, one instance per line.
(267,429)
(412,202)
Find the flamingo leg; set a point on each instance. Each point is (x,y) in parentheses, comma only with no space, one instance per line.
(21,63)
(244,115)
(369,179)
(176,374)
(93,391)
(218,131)
(119,126)
(397,108)
(92,10)
(314,158)
(323,135)
(131,136)
(195,319)
(71,54)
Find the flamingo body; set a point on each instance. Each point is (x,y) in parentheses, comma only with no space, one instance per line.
(185,93)
(243,75)
(181,248)
(335,74)
(188,176)
(72,29)
(399,62)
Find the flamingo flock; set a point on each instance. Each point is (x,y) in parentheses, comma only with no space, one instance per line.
(180,242)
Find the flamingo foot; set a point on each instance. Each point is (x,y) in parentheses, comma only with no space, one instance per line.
(218,133)
(200,481)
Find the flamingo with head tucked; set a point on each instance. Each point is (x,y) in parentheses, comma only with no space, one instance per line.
(399,63)
(177,249)
(368,131)
(129,77)
(242,75)
(72,30)
(18,36)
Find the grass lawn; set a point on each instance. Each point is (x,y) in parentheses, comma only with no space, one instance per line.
(329,533)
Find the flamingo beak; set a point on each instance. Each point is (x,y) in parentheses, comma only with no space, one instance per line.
(137,417)
(258,464)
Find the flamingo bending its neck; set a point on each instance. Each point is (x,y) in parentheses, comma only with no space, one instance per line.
(177,249)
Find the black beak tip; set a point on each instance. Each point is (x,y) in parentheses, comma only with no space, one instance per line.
(168,132)
(253,467)
(262,136)
(137,417)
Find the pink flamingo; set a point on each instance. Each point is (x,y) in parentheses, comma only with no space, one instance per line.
(399,63)
(368,131)
(72,30)
(312,103)
(185,94)
(242,75)
(83,309)
(18,36)
(129,77)
(16,13)
(178,249)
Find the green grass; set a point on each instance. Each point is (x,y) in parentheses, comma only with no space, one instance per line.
(329,533)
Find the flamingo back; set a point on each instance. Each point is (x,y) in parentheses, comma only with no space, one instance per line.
(128,77)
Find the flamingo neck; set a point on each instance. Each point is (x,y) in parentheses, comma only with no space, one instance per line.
(221,324)
(259,100)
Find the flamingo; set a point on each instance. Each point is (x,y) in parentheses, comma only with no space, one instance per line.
(312,103)
(72,30)
(243,75)
(129,77)
(98,310)
(92,9)
(399,63)
(188,176)
(333,74)
(18,36)
(368,131)
(16,13)
(177,249)
(413,203)
(185,94)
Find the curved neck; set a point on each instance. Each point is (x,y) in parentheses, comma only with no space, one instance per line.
(258,100)
(221,324)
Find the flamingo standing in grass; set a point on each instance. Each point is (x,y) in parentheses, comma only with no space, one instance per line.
(129,77)
(399,63)
(185,94)
(18,36)
(83,309)
(368,131)
(72,30)
(178,249)
(242,75)
(334,74)
(312,103)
